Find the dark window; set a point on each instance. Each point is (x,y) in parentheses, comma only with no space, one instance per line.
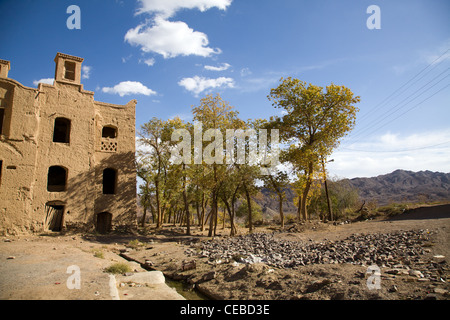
(56,179)
(70,70)
(2,115)
(109,181)
(109,132)
(61,132)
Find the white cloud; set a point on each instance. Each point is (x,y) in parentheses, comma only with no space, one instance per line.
(430,56)
(199,84)
(222,67)
(45,80)
(86,72)
(389,152)
(125,59)
(150,62)
(167,8)
(245,72)
(129,87)
(439,54)
(170,39)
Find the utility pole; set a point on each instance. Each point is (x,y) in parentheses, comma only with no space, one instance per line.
(330,212)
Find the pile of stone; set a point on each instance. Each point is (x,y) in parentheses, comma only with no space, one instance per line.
(384,250)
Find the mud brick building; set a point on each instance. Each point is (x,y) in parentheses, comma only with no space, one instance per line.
(66,160)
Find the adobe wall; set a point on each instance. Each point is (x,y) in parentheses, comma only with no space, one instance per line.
(123,160)
(27,151)
(18,153)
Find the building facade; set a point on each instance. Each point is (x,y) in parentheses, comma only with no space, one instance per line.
(66,160)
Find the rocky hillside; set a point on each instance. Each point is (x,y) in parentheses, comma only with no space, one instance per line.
(404,186)
(399,186)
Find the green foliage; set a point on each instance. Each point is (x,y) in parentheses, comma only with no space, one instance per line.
(393,209)
(242,211)
(343,197)
(99,254)
(118,268)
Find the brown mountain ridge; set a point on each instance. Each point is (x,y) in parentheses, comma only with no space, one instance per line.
(400,186)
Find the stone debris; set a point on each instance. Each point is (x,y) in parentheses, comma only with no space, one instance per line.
(395,252)
(188,265)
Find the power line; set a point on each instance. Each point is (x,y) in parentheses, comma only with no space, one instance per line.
(397,151)
(385,100)
(396,108)
(415,106)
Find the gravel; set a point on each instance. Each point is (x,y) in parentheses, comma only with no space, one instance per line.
(382,249)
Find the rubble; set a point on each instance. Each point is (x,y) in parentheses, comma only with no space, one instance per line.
(395,251)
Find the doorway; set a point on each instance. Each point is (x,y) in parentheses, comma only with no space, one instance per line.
(104,222)
(54,217)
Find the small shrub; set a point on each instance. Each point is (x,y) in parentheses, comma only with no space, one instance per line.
(118,268)
(393,209)
(99,254)
(135,244)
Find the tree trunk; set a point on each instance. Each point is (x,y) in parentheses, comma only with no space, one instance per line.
(280,199)
(231,214)
(249,205)
(197,207)
(224,216)
(213,214)
(144,215)
(152,210)
(186,206)
(308,184)
(158,205)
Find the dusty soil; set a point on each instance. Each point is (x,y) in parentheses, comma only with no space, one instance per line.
(34,267)
(171,252)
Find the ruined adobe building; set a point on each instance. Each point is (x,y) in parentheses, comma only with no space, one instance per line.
(66,160)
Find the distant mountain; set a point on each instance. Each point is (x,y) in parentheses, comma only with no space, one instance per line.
(404,186)
(399,186)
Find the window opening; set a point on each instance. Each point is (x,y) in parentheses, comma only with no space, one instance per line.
(109,181)
(70,70)
(61,132)
(2,115)
(109,132)
(56,179)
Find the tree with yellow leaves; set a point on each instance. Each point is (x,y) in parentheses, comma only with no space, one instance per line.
(314,121)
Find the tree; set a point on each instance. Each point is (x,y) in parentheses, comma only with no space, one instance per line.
(315,120)
(215,116)
(242,211)
(343,196)
(277,182)
(153,160)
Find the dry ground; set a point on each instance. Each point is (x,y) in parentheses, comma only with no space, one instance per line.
(34,267)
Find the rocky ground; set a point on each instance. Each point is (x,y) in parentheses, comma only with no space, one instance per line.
(392,259)
(405,258)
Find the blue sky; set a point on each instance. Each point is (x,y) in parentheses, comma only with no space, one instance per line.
(168,54)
